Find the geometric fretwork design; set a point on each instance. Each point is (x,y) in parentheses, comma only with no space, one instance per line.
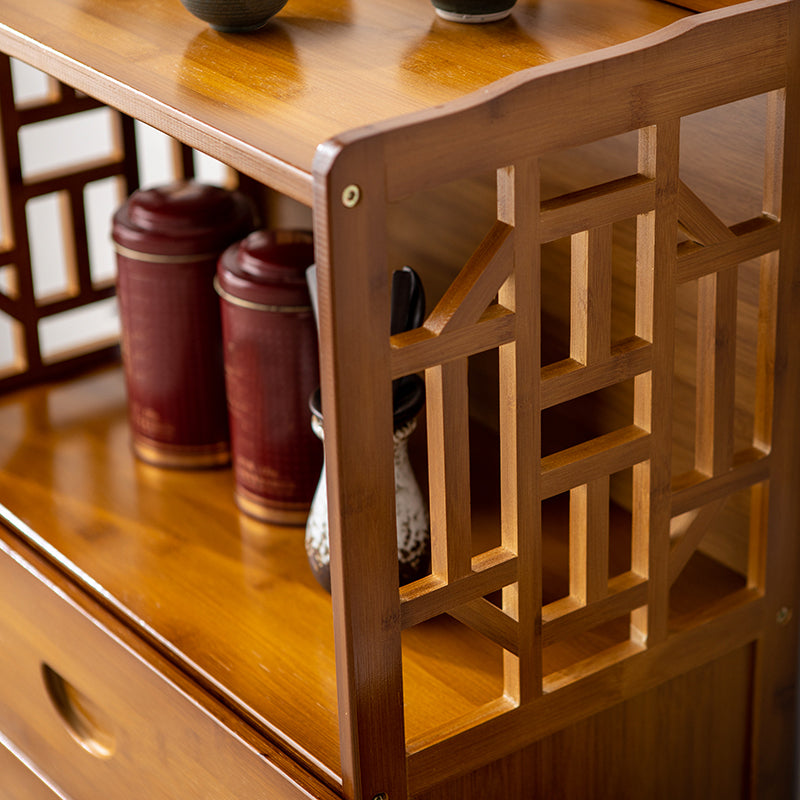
(19,301)
(491,304)
(495,303)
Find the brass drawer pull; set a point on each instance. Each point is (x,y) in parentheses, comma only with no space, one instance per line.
(85,722)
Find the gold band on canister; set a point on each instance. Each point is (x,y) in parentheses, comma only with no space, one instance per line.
(158,258)
(270,511)
(178,456)
(240,301)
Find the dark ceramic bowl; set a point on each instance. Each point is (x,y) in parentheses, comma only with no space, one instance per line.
(235,15)
(473,10)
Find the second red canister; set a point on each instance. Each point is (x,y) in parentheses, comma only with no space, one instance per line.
(271,368)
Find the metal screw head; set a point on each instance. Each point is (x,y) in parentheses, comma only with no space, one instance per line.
(783,616)
(350,198)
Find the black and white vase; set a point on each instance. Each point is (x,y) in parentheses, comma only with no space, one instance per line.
(411,512)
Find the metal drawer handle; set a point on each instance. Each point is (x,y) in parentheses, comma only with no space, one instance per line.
(84,720)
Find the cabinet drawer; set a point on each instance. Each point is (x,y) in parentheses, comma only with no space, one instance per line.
(105,716)
(20,782)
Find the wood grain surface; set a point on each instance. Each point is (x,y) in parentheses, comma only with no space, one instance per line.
(262,102)
(232,604)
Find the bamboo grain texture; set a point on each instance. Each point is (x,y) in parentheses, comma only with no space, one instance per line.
(548,602)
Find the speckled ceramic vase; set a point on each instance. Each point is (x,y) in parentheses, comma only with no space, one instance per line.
(411,513)
(473,10)
(235,16)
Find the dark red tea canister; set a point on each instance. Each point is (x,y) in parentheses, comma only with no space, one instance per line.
(271,368)
(168,240)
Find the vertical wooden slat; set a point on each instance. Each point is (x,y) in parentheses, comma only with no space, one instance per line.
(766,337)
(588,540)
(656,254)
(768,287)
(716,371)
(775,723)
(590,295)
(349,226)
(520,429)
(27,309)
(448,466)
(183,166)
(30,354)
(124,133)
(73,217)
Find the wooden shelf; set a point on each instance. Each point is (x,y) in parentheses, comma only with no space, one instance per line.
(263,102)
(230,600)
(210,613)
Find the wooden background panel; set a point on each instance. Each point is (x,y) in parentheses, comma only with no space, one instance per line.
(688,739)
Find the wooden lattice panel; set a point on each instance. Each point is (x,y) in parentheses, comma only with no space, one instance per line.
(495,303)
(21,301)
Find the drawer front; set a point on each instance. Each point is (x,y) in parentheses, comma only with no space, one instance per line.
(20,782)
(106,717)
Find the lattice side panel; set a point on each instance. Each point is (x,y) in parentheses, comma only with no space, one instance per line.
(21,301)
(494,302)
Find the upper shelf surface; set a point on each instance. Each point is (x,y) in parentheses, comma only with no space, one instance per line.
(262,102)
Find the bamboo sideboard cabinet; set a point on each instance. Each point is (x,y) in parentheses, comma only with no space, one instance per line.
(601,198)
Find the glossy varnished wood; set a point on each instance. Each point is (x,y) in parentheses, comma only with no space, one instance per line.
(140,536)
(21,779)
(233,605)
(264,101)
(110,717)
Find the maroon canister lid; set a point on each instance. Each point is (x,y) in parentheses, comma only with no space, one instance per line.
(182,218)
(268,268)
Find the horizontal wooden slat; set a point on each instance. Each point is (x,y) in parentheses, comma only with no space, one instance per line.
(420,349)
(59,303)
(35,111)
(598,205)
(86,172)
(566,617)
(431,596)
(754,238)
(693,489)
(603,455)
(10,306)
(568,379)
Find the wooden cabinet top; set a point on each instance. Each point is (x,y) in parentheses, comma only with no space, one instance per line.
(262,102)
